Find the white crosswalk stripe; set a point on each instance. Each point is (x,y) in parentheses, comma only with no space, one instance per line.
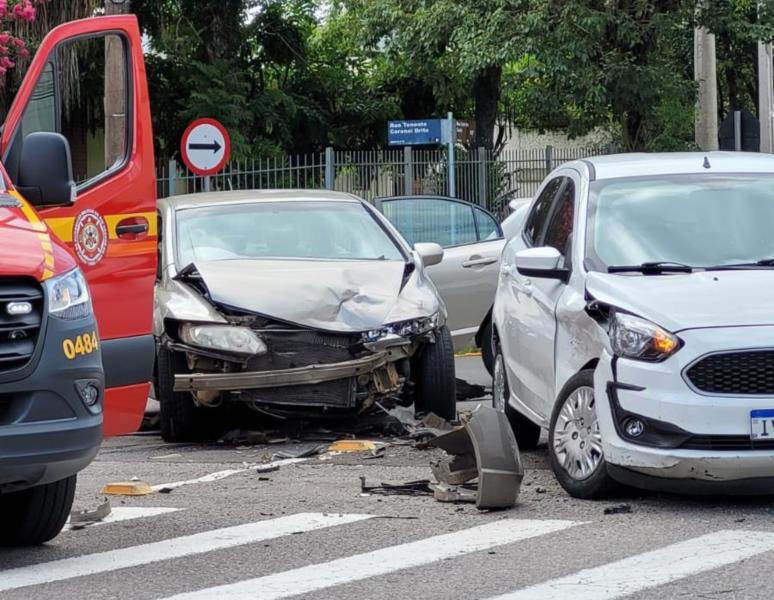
(127,513)
(606,582)
(380,562)
(643,571)
(198,543)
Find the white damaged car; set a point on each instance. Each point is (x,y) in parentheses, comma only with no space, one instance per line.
(634,320)
(302,303)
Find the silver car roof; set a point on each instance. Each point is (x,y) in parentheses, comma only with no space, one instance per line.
(673,163)
(250,196)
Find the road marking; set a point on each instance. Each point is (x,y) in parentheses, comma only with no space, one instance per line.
(650,569)
(188,545)
(127,513)
(227,473)
(380,562)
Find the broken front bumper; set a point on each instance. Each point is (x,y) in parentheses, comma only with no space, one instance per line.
(252,380)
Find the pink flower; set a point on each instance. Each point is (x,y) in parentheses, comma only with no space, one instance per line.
(19,42)
(24,53)
(5,38)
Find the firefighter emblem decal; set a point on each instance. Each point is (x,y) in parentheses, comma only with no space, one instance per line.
(90,237)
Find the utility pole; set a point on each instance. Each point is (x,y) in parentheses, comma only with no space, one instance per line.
(705,73)
(765,94)
(115,89)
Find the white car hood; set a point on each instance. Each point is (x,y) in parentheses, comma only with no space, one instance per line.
(691,300)
(340,296)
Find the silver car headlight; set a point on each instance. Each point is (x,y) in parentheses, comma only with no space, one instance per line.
(409,327)
(633,337)
(229,338)
(68,296)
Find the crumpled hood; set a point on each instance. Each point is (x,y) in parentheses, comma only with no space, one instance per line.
(691,300)
(340,296)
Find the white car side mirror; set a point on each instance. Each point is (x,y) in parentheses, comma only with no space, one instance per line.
(517,203)
(541,262)
(430,253)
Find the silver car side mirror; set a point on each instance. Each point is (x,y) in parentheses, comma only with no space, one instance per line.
(541,262)
(430,253)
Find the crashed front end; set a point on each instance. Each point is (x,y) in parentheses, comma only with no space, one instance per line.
(277,366)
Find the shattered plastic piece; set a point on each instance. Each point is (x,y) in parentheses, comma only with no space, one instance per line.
(444,492)
(410,488)
(83,518)
(376,453)
(352,446)
(455,469)
(306,453)
(488,436)
(621,509)
(127,488)
(267,468)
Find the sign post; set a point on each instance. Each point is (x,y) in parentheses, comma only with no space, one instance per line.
(205,148)
(450,137)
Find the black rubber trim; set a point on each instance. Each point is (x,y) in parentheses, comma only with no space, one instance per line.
(758,486)
(128,360)
(562,275)
(658,434)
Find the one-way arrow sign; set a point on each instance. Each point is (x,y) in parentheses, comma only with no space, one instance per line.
(214,146)
(205,147)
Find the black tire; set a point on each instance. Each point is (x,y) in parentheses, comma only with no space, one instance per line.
(36,515)
(526,432)
(436,387)
(180,419)
(598,484)
(487,348)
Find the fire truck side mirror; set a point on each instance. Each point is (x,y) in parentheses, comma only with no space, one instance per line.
(46,170)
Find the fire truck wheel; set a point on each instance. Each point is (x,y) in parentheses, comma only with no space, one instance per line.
(35,515)
(181,420)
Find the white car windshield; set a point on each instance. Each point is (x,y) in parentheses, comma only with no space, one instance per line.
(696,220)
(296,230)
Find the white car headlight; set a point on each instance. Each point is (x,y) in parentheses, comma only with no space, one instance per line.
(229,338)
(633,337)
(409,328)
(68,296)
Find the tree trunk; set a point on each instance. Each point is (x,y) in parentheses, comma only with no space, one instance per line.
(486,95)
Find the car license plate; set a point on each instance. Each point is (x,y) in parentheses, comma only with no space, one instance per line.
(762,424)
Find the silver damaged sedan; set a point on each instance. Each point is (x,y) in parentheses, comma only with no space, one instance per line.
(297,303)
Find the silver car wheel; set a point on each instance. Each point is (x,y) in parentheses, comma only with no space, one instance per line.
(577,442)
(498,383)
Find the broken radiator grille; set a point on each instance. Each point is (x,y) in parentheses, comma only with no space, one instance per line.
(737,373)
(339,393)
(291,349)
(19,333)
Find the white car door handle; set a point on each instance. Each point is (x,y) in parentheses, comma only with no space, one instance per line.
(479,261)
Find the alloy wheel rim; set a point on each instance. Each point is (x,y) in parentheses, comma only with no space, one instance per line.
(498,383)
(577,442)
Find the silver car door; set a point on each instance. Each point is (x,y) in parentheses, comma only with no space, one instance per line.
(472,242)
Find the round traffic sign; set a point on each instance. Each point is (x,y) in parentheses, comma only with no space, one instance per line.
(205,146)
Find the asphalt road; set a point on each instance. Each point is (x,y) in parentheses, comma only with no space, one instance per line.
(307,531)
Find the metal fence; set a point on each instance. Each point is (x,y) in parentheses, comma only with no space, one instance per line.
(479,176)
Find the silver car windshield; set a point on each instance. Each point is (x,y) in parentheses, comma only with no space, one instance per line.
(697,220)
(294,230)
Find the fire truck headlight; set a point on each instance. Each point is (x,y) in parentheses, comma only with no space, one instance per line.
(68,296)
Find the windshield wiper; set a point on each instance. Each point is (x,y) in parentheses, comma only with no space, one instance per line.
(764,262)
(653,268)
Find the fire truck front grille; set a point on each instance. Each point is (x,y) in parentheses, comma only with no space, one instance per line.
(21,316)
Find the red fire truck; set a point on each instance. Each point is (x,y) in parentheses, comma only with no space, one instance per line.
(78,247)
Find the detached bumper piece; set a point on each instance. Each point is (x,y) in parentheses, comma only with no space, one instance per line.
(484,448)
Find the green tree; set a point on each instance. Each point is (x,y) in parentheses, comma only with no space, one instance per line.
(455,48)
